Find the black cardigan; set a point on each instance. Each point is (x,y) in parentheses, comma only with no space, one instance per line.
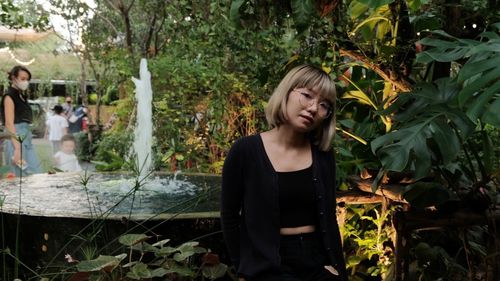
(250,208)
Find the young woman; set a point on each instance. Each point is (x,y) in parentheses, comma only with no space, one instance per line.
(17,117)
(278,187)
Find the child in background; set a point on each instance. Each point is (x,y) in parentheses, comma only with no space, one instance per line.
(57,127)
(65,159)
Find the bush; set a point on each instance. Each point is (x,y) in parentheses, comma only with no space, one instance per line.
(114,147)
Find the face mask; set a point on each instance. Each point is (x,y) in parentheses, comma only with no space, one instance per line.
(23,85)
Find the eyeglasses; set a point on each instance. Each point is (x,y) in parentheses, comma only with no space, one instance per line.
(306,99)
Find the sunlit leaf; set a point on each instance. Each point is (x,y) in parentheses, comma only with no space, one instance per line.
(360,97)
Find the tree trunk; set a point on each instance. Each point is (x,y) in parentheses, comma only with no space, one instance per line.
(83,81)
(452,26)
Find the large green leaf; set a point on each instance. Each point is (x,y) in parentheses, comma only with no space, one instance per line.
(477,67)
(215,271)
(415,5)
(166,251)
(477,107)
(428,122)
(478,84)
(491,115)
(408,148)
(145,247)
(234,13)
(107,263)
(357,10)
(302,12)
(182,270)
(441,55)
(480,74)
(132,239)
(425,95)
(139,271)
(422,164)
(394,153)
(446,140)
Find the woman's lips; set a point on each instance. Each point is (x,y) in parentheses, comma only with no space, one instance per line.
(308,118)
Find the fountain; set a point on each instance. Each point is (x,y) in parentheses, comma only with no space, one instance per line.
(53,208)
(143,133)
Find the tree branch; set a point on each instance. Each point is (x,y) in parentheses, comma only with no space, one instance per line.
(402,85)
(115,30)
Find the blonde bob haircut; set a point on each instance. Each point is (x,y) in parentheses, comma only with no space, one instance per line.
(314,79)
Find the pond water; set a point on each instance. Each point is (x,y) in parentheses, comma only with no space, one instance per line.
(112,196)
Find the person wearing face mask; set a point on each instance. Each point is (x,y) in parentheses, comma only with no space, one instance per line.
(68,107)
(17,117)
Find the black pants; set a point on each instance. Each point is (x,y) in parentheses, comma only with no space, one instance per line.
(302,259)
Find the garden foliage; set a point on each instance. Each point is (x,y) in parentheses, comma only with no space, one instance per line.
(418,88)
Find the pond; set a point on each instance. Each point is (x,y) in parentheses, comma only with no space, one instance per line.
(59,216)
(112,196)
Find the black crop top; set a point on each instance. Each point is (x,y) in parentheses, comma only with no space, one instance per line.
(22,109)
(296,198)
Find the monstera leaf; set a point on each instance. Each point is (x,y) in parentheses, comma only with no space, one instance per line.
(428,125)
(479,77)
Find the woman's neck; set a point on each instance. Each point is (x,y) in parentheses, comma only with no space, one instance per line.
(288,138)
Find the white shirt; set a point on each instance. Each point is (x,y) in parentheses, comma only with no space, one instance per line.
(56,124)
(67,162)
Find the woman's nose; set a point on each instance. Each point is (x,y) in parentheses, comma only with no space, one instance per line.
(313,106)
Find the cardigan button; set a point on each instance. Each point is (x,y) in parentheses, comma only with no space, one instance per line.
(328,249)
(321,213)
(320,197)
(315,179)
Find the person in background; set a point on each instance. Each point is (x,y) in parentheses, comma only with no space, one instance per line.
(76,121)
(65,159)
(67,107)
(278,187)
(85,124)
(56,128)
(17,117)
